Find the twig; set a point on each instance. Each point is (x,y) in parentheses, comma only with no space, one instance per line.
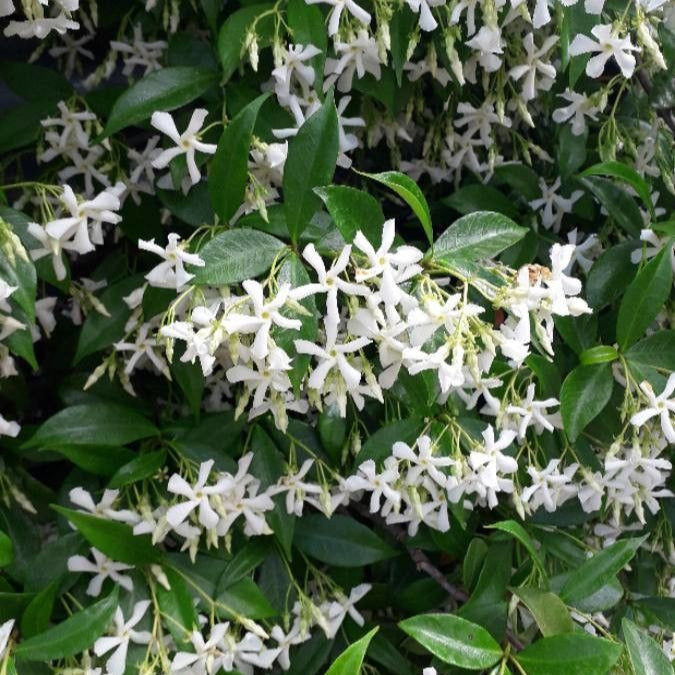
(422,561)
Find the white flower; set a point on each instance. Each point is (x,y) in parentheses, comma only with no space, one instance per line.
(580,106)
(124,633)
(265,314)
(378,484)
(294,66)
(170,273)
(391,267)
(488,45)
(207,657)
(338,610)
(552,205)
(533,412)
(103,568)
(5,632)
(661,405)
(549,488)
(359,55)
(534,66)
(9,428)
(285,641)
(139,53)
(338,7)
(144,346)
(296,489)
(608,44)
(103,509)
(423,8)
(423,462)
(197,496)
(187,143)
(328,280)
(332,355)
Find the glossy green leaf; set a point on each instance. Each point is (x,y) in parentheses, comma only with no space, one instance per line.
(516,530)
(353,210)
(584,394)
(477,236)
(646,656)
(235,255)
(165,89)
(571,150)
(17,270)
(177,604)
(597,355)
(6,550)
(190,378)
(644,299)
(339,541)
(378,445)
(610,275)
(35,618)
(233,33)
(143,466)
(406,188)
(479,197)
(454,640)
(228,175)
(547,609)
(92,423)
(113,538)
(617,202)
(656,351)
(312,154)
(72,636)
(626,174)
(244,598)
(596,571)
(351,659)
(569,654)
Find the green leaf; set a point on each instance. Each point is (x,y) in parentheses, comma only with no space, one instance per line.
(235,255)
(233,32)
(617,202)
(245,599)
(143,466)
(244,562)
(454,640)
(6,550)
(92,423)
(72,636)
(228,175)
(35,83)
(656,351)
(646,656)
(595,572)
(401,28)
(102,460)
(17,271)
(644,299)
(190,379)
(477,236)
(624,173)
(406,188)
(312,154)
(548,610)
(584,394)
(194,208)
(113,538)
(610,274)
(99,331)
(571,150)
(340,541)
(165,90)
(177,605)
(351,659)
(661,609)
(569,654)
(596,355)
(35,618)
(353,210)
(515,529)
(479,197)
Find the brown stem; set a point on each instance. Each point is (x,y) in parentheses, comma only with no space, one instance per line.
(422,561)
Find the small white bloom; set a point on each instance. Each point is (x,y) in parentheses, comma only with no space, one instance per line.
(662,406)
(102,568)
(170,273)
(608,44)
